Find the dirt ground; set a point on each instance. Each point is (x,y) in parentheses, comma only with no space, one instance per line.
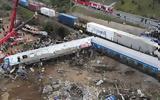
(85,75)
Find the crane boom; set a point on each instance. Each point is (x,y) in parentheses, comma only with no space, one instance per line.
(13,16)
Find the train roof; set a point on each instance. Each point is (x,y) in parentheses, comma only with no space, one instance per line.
(124,33)
(153,61)
(70,16)
(112,29)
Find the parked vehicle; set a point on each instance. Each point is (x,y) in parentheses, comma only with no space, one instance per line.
(107,9)
(95,5)
(83,2)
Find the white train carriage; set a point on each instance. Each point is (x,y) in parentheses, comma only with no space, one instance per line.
(123,38)
(134,58)
(45,53)
(100,30)
(47,12)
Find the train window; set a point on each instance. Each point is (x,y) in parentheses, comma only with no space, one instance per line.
(117,56)
(19,59)
(24,56)
(140,66)
(124,59)
(153,69)
(149,70)
(118,15)
(103,50)
(131,62)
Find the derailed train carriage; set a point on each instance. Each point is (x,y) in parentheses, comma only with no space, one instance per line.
(141,61)
(46,53)
(123,38)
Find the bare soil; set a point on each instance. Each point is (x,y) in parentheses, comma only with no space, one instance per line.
(62,70)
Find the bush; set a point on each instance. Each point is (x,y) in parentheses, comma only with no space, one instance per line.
(48,26)
(6,7)
(25,13)
(61,5)
(62,32)
(122,2)
(134,2)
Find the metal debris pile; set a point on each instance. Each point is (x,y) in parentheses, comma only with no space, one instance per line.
(58,90)
(66,90)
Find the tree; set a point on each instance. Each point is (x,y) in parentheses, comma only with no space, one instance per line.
(122,2)
(61,4)
(48,27)
(62,32)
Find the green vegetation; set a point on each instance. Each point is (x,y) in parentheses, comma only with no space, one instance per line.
(5,6)
(148,8)
(54,29)
(25,13)
(59,5)
(97,15)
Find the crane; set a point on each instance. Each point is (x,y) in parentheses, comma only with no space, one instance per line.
(13,16)
(12,31)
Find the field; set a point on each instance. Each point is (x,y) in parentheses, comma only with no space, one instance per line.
(25,13)
(146,8)
(89,12)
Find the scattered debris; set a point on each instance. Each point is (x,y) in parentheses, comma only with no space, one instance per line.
(129,72)
(21,72)
(32,70)
(5,96)
(47,89)
(99,82)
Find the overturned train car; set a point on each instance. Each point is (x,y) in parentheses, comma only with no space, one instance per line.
(141,61)
(46,53)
